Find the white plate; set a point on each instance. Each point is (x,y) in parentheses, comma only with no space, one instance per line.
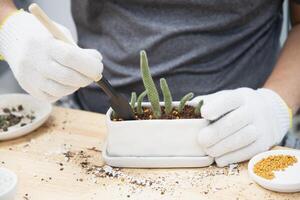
(41,111)
(8,184)
(156,162)
(284,181)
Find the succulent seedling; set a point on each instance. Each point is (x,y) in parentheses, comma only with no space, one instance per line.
(183,101)
(150,87)
(140,99)
(133,100)
(198,107)
(167,95)
(114,114)
(170,112)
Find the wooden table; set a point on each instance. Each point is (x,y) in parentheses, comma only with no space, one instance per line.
(46,174)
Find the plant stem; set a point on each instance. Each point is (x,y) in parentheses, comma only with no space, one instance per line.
(114,114)
(149,85)
(183,101)
(198,107)
(133,100)
(167,95)
(139,108)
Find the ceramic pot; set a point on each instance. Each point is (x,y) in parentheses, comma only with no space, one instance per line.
(154,138)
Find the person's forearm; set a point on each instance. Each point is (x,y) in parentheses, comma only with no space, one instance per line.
(6,8)
(285,79)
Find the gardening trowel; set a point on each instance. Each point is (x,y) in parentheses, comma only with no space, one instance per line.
(118,102)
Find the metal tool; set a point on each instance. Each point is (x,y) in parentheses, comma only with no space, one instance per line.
(117,101)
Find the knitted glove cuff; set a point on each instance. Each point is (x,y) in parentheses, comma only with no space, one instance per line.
(281,111)
(12,33)
(4,22)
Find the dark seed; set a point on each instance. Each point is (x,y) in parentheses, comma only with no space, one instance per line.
(20,108)
(6,110)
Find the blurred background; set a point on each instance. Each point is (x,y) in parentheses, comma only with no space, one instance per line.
(60,11)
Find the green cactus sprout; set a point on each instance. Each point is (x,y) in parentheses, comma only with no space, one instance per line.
(153,96)
(167,95)
(114,114)
(198,107)
(133,100)
(183,101)
(139,102)
(152,92)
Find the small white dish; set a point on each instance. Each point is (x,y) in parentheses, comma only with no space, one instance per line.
(8,184)
(158,143)
(284,181)
(156,161)
(41,110)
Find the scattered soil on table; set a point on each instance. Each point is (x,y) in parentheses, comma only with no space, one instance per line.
(87,168)
(266,167)
(166,183)
(187,113)
(14,116)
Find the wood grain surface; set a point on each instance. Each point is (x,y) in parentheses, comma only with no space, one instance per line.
(45,173)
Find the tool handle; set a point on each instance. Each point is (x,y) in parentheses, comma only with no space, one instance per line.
(48,23)
(118,102)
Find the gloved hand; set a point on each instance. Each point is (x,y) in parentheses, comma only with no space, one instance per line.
(244,123)
(45,67)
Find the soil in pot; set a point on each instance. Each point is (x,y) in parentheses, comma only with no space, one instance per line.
(188,112)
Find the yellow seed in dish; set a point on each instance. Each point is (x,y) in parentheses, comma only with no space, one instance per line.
(266,167)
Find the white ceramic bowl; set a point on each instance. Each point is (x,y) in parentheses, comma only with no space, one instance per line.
(284,181)
(8,184)
(42,110)
(154,138)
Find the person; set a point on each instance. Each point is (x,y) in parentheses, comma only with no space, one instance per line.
(225,51)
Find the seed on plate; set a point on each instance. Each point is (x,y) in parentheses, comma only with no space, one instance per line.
(265,168)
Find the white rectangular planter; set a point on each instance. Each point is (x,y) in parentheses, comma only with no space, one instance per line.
(154,143)
(154,137)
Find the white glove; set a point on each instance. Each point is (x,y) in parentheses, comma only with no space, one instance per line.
(247,122)
(45,67)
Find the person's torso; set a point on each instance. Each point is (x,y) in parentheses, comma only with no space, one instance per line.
(198,45)
(201,46)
